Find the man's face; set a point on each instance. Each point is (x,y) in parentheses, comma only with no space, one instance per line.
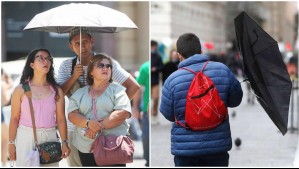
(154,48)
(86,42)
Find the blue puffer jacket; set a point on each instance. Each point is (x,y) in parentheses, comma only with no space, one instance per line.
(173,102)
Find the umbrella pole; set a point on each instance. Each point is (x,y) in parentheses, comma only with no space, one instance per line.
(296,94)
(80,45)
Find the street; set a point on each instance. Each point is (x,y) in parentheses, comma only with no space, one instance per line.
(262,145)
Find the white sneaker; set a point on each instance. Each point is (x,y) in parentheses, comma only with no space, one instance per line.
(155,120)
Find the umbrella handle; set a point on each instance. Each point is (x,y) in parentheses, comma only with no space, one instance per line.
(244,80)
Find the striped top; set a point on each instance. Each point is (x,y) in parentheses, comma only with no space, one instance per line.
(119,75)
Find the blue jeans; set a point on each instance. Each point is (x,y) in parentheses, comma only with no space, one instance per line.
(145,138)
(221,159)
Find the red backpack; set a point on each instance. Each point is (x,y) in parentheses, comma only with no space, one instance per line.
(204,108)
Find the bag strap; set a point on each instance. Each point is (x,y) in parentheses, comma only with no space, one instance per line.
(73,64)
(181,124)
(204,66)
(28,93)
(188,70)
(94,109)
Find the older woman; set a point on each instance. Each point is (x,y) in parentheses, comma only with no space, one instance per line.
(100,106)
(48,106)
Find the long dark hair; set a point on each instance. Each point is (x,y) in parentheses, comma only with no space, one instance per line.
(28,72)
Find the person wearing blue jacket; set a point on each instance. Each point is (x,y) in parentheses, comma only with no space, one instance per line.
(198,148)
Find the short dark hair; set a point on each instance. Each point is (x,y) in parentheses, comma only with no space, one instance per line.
(154,43)
(188,45)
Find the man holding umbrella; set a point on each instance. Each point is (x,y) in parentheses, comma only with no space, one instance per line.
(72,75)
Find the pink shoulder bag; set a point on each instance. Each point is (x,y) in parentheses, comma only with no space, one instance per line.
(110,150)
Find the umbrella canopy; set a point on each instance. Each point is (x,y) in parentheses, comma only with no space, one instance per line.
(95,17)
(265,69)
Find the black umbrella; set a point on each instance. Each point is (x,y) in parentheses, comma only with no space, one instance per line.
(265,69)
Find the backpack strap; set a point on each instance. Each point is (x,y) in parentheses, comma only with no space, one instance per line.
(204,66)
(176,120)
(188,70)
(73,64)
(181,124)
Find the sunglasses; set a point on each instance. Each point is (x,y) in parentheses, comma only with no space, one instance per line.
(42,59)
(102,65)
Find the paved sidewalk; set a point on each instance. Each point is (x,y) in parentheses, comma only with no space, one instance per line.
(262,144)
(138,161)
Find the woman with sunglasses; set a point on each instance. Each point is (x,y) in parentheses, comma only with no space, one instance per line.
(48,106)
(100,107)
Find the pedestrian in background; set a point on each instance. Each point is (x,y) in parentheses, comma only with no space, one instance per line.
(143,80)
(6,84)
(171,66)
(156,68)
(71,78)
(108,113)
(198,148)
(48,106)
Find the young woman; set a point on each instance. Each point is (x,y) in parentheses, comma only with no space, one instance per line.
(100,106)
(48,105)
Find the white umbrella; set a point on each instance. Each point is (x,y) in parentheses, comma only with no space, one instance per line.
(96,18)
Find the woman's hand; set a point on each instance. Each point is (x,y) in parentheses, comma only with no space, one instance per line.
(94,126)
(12,152)
(90,134)
(65,150)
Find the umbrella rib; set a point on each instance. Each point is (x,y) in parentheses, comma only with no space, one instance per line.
(252,91)
(265,48)
(257,37)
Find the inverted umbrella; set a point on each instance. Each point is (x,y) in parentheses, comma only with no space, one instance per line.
(265,69)
(96,18)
